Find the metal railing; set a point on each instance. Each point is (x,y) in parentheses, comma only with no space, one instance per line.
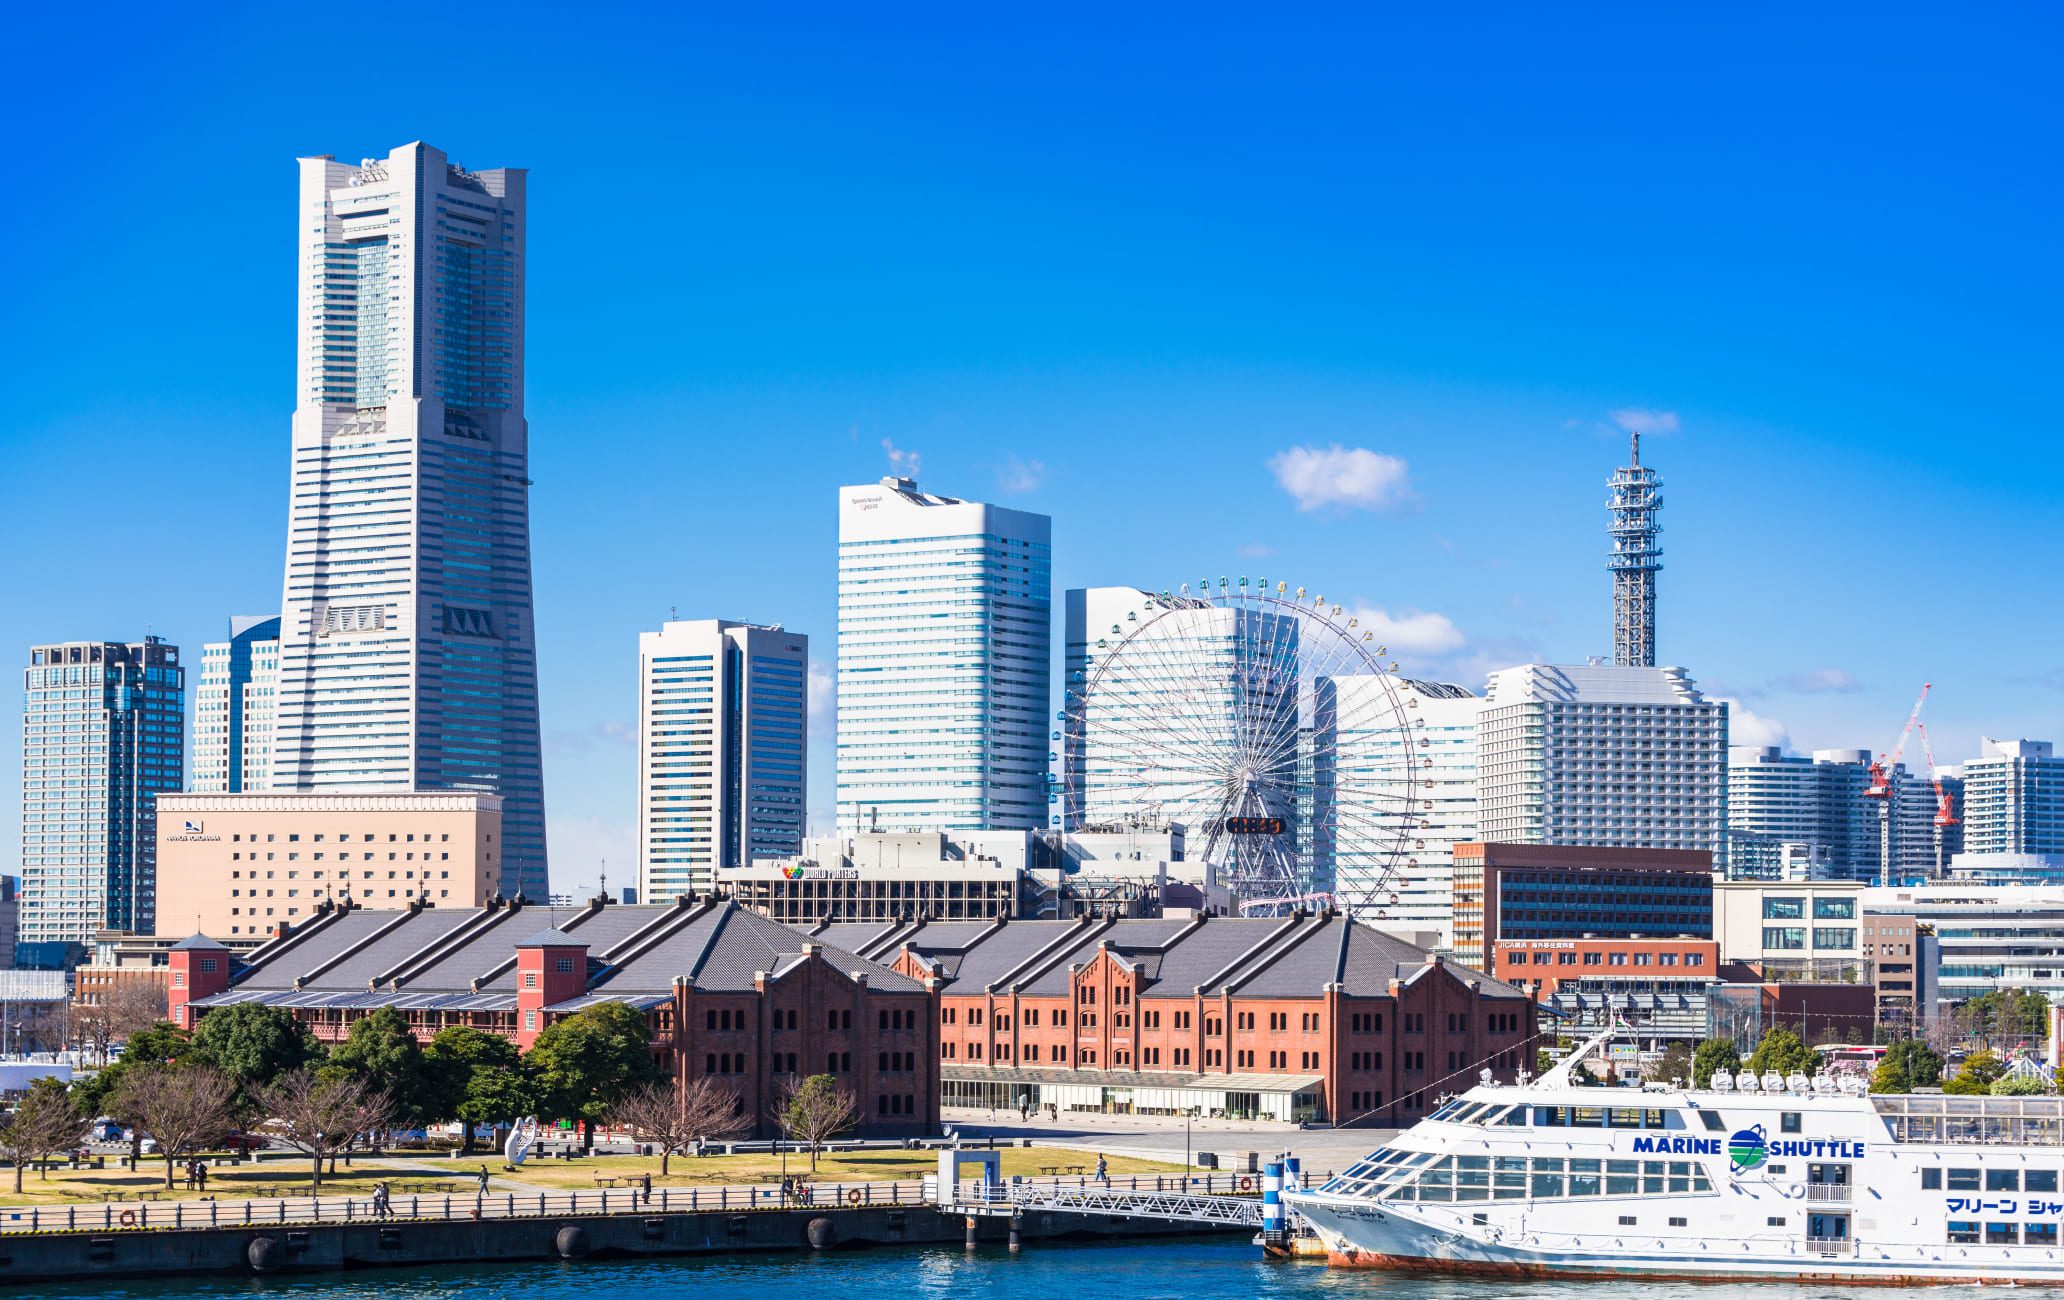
(1828,1192)
(1831,1245)
(115,1216)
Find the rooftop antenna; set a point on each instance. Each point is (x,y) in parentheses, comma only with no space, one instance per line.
(605,878)
(1634,559)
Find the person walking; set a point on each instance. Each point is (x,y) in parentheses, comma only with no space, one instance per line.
(646,1183)
(483,1180)
(381,1209)
(1103,1172)
(201,1173)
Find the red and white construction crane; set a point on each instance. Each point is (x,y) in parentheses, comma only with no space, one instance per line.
(1945,807)
(1881,788)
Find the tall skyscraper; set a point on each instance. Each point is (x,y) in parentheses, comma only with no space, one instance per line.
(231,750)
(407,650)
(722,732)
(2014,798)
(103,725)
(1637,497)
(1612,757)
(945,633)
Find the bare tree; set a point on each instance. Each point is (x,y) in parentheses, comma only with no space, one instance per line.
(321,1117)
(127,1008)
(46,1122)
(670,1117)
(814,1109)
(183,1107)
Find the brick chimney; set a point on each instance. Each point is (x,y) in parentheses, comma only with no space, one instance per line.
(551,967)
(200,969)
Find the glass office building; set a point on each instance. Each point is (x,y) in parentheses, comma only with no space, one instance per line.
(103,730)
(231,749)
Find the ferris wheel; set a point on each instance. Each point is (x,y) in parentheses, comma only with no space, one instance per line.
(1262,721)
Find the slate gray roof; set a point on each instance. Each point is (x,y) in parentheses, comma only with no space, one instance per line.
(438,956)
(198,943)
(1256,957)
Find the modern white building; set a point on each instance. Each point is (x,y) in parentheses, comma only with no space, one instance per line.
(1988,936)
(944,643)
(2014,798)
(103,734)
(407,650)
(1775,798)
(1433,769)
(722,732)
(231,747)
(1605,756)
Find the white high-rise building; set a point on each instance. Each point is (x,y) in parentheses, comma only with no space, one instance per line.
(944,639)
(722,733)
(1603,756)
(1775,799)
(230,751)
(2014,798)
(407,651)
(1433,770)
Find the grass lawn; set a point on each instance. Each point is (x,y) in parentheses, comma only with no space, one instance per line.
(832,1167)
(227,1183)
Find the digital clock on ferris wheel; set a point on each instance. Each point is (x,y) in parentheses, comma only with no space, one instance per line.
(1255,825)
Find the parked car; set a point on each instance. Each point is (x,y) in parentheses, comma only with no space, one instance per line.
(245,1142)
(149,1146)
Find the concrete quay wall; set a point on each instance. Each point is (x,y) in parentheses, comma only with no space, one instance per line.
(29,1257)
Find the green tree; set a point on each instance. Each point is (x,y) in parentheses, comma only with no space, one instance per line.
(2010,1015)
(44,1123)
(1715,1055)
(381,1050)
(1981,1068)
(478,1078)
(1784,1051)
(253,1044)
(2019,1085)
(588,1062)
(1907,1065)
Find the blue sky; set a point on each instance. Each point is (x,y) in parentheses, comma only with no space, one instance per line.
(1110,266)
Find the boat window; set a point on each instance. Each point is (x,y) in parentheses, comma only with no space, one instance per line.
(1931,1180)
(1517,1115)
(1623,1117)
(1549,1184)
(1680,1175)
(1622,1177)
(1963,1180)
(1713,1121)
(2040,1180)
(1583,1178)
(1461,1113)
(1473,1178)
(1698,1179)
(2002,1234)
(2003,1180)
(1963,1230)
(1447,1111)
(1652,1176)
(2040,1234)
(1551,1117)
(1509,1180)
(1437,1183)
(1791,1121)
(1587,1116)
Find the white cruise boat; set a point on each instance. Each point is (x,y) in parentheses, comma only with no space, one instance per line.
(1784,1178)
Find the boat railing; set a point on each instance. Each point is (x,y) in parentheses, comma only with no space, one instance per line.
(1838,1192)
(1980,1120)
(1831,1245)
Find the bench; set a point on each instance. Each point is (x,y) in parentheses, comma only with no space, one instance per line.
(608,1180)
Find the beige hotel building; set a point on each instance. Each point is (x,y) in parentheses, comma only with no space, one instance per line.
(236,865)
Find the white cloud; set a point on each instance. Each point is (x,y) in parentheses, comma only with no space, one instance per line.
(1746,727)
(1020,476)
(584,739)
(1351,478)
(1821,681)
(1409,631)
(1635,419)
(902,463)
(1256,551)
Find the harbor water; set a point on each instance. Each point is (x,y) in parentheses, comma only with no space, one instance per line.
(1224,1269)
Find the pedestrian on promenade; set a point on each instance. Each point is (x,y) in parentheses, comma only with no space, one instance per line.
(646,1183)
(483,1180)
(381,1209)
(1103,1173)
(201,1173)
